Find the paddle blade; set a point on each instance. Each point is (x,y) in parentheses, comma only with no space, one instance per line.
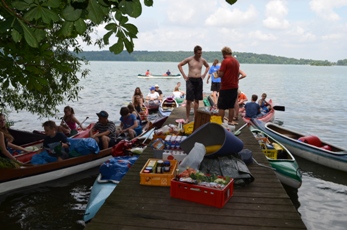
(279,108)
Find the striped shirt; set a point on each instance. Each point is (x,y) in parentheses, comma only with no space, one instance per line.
(103,128)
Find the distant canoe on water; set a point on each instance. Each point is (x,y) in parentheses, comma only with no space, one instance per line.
(159,76)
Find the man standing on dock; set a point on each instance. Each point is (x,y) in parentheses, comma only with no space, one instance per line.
(194,80)
(229,74)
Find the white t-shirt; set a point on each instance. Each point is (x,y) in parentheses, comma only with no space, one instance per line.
(153,96)
(177,94)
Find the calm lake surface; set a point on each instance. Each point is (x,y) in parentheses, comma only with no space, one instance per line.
(314,99)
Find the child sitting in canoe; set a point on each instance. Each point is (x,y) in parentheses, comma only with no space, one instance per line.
(264,105)
(55,143)
(129,124)
(252,108)
(69,122)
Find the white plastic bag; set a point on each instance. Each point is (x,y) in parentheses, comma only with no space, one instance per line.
(194,158)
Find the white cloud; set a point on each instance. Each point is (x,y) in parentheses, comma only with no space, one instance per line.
(262,36)
(301,35)
(276,8)
(276,11)
(276,23)
(330,37)
(235,17)
(182,12)
(325,9)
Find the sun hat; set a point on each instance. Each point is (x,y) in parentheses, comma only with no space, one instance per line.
(102,114)
(152,88)
(156,85)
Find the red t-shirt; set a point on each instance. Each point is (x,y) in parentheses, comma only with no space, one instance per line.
(230,67)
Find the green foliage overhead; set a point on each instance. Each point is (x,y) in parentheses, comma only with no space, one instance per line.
(38,71)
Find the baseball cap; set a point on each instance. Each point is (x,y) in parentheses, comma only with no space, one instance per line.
(102,114)
(156,85)
(152,88)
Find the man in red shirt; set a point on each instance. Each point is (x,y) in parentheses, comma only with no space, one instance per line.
(229,73)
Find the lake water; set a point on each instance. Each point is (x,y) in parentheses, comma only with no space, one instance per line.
(314,99)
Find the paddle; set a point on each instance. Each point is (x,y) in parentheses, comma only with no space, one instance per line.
(150,133)
(279,108)
(238,132)
(84,120)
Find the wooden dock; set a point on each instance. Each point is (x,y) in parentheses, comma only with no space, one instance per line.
(262,204)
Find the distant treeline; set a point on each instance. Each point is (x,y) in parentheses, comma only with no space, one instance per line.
(177,56)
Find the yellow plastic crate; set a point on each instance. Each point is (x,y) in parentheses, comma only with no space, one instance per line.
(216,119)
(270,153)
(158,179)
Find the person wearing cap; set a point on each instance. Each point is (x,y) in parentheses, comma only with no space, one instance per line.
(194,79)
(158,91)
(153,95)
(104,131)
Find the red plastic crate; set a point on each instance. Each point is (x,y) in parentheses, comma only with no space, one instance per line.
(201,194)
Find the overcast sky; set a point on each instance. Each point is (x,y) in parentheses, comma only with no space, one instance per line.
(310,29)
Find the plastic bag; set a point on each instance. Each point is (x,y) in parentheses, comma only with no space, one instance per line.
(83,146)
(42,158)
(194,158)
(116,167)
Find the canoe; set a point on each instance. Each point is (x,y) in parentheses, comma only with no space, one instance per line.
(15,178)
(37,145)
(100,191)
(103,187)
(167,106)
(24,137)
(152,105)
(268,117)
(179,100)
(156,76)
(309,147)
(281,160)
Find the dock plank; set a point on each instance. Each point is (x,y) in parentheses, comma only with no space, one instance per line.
(262,204)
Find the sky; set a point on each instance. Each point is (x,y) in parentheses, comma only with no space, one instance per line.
(309,29)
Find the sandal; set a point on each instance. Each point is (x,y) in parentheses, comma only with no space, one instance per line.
(233,123)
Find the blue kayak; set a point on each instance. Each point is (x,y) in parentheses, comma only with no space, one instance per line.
(111,173)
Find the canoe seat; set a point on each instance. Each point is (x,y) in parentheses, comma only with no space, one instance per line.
(312,140)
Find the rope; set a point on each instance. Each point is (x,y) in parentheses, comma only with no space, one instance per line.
(265,166)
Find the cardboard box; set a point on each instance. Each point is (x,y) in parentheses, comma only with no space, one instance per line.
(201,194)
(158,179)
